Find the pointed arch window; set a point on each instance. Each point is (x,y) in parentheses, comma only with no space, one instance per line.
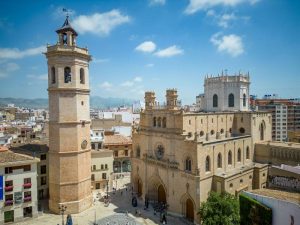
(239,155)
(230,100)
(82,76)
(53,77)
(219,160)
(67,73)
(154,121)
(215,100)
(207,164)
(229,158)
(261,131)
(188,164)
(244,100)
(164,122)
(247,152)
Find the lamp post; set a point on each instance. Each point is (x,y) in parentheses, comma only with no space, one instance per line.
(62,208)
(107,189)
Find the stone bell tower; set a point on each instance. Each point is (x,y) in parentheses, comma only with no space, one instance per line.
(69,123)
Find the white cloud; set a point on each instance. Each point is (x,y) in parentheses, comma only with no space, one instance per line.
(196,5)
(149,65)
(7,68)
(157,2)
(38,77)
(15,53)
(100,23)
(138,79)
(147,46)
(231,44)
(127,84)
(225,19)
(169,52)
(106,85)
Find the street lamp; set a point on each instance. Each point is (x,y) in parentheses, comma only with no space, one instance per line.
(62,208)
(107,189)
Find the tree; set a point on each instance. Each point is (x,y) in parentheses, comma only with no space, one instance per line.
(220,209)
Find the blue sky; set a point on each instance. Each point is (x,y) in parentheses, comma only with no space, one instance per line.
(155,44)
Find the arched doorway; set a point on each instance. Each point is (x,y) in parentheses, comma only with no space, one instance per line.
(189,207)
(139,188)
(161,194)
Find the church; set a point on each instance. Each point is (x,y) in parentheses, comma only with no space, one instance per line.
(179,156)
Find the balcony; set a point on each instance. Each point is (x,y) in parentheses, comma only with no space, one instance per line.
(27,185)
(9,188)
(27,199)
(9,202)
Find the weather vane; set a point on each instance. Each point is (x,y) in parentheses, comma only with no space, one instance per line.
(67,11)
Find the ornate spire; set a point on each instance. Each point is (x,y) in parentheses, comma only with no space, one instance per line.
(66,27)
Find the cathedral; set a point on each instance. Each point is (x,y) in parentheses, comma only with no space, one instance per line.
(69,123)
(179,157)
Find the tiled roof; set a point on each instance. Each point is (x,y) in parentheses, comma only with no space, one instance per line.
(9,156)
(116,140)
(278,194)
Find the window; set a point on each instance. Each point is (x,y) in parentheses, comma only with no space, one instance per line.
(231,185)
(43,169)
(27,168)
(154,121)
(207,164)
(188,164)
(261,131)
(8,170)
(159,122)
(126,152)
(229,158)
(106,166)
(230,130)
(93,145)
(244,100)
(27,180)
(219,160)
(215,100)
(242,130)
(104,176)
(190,122)
(102,166)
(82,77)
(164,122)
(93,177)
(116,153)
(222,131)
(53,79)
(241,180)
(43,180)
(231,100)
(138,152)
(201,133)
(94,167)
(97,185)
(67,71)
(212,132)
(239,155)
(43,157)
(247,152)
(8,183)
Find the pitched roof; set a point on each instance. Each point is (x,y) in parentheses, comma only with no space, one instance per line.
(66,27)
(9,156)
(116,139)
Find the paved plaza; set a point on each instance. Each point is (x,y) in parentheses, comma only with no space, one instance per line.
(118,212)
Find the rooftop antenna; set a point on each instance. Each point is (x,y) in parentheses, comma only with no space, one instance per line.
(67,12)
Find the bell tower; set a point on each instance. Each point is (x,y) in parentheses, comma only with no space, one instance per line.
(69,123)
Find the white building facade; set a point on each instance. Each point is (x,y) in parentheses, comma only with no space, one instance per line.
(225,93)
(18,174)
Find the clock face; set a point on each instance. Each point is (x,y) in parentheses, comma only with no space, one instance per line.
(84,144)
(160,152)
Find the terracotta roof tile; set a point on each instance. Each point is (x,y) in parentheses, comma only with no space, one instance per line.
(9,156)
(116,140)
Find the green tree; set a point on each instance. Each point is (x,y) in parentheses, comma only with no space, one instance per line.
(220,209)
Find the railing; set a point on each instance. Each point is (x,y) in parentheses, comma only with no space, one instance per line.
(9,188)
(27,199)
(27,185)
(9,202)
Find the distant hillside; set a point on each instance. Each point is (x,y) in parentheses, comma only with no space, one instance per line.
(96,102)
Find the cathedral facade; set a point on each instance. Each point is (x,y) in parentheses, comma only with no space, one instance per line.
(69,123)
(179,157)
